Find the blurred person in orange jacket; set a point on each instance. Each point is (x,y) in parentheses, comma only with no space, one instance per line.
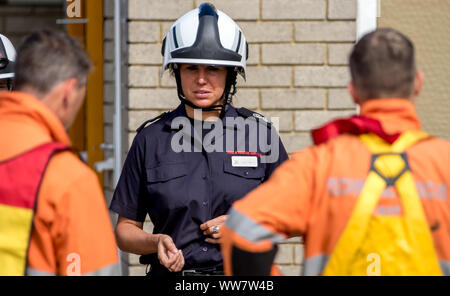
(321,191)
(53,217)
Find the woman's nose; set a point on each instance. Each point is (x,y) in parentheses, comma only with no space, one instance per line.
(201,78)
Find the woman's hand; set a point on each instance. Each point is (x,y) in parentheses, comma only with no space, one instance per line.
(168,254)
(212,227)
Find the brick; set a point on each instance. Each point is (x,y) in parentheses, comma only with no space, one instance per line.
(308,120)
(267,31)
(338,54)
(131,137)
(321,76)
(158,9)
(325,31)
(108,133)
(340,99)
(165,27)
(143,76)
(136,118)
(167,80)
(293,54)
(285,119)
(292,99)
(153,99)
(108,72)
(143,32)
(284,255)
(148,227)
(108,8)
(294,141)
(290,270)
(298,253)
(248,98)
(145,54)
(108,113)
(293,9)
(108,51)
(253,54)
(108,93)
(108,29)
(236,9)
(342,9)
(133,259)
(137,270)
(268,76)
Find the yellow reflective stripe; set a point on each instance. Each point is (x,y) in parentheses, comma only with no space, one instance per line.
(15,229)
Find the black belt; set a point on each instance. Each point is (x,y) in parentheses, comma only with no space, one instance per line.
(160,270)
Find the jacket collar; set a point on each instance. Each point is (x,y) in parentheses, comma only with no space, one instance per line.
(29,106)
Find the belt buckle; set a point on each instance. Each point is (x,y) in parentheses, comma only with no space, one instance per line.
(183,272)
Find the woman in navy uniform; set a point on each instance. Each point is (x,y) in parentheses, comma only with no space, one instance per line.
(186,169)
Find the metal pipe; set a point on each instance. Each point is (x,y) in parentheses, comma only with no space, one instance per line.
(117,125)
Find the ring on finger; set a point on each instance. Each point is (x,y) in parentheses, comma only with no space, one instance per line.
(215,229)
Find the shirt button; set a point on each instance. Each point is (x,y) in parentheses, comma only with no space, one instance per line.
(205,203)
(204,177)
(246,173)
(204,249)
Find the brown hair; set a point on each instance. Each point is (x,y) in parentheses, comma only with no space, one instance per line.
(48,57)
(382,65)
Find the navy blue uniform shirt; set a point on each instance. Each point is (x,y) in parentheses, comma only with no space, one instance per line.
(181,190)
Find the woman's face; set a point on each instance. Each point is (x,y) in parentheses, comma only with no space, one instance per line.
(203,85)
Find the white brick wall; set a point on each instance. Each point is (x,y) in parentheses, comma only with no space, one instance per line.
(297,70)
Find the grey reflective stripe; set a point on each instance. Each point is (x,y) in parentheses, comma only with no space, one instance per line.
(34,272)
(445,266)
(249,229)
(315,265)
(109,270)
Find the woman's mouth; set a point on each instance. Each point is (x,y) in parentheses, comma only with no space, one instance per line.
(200,94)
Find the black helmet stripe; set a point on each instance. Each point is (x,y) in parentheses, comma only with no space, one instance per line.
(239,42)
(174,33)
(3,56)
(207,43)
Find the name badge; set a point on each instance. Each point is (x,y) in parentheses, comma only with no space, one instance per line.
(244,161)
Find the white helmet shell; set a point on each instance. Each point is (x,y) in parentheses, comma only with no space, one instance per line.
(194,39)
(7,58)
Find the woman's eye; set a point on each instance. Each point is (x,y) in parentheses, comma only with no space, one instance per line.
(192,68)
(213,69)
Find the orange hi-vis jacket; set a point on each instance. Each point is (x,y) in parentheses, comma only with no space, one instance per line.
(71,230)
(315,192)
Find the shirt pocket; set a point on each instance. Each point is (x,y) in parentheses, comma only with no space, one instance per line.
(238,181)
(167,184)
(166,172)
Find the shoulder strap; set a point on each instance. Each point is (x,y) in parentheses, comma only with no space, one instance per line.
(139,129)
(246,113)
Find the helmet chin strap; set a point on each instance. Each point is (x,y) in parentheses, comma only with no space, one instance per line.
(229,92)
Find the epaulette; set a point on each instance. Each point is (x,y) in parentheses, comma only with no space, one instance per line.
(139,129)
(244,112)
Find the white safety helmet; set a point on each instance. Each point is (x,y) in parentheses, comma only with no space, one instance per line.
(205,36)
(7,58)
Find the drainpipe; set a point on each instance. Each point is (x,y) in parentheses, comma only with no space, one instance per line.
(117,125)
(366,20)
